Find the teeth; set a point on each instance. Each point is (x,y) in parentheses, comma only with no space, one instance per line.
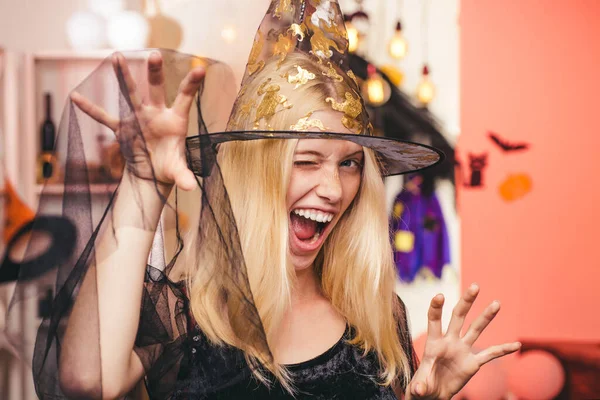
(314,215)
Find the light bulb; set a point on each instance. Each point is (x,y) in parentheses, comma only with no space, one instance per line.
(229,33)
(128,30)
(352,37)
(375,90)
(398,46)
(86,31)
(426,89)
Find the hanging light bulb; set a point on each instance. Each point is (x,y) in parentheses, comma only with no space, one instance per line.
(352,36)
(375,89)
(426,89)
(229,33)
(398,46)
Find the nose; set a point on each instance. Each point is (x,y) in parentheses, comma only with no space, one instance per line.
(330,186)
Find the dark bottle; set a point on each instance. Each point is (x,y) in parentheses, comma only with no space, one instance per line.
(47,159)
(48,127)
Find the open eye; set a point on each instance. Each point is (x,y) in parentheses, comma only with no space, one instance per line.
(351,163)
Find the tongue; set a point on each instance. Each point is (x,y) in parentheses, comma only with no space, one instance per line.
(304,228)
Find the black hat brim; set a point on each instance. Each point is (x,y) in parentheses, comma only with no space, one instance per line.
(396,156)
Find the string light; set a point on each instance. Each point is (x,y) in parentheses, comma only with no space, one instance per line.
(425,89)
(229,33)
(376,90)
(352,36)
(357,25)
(398,47)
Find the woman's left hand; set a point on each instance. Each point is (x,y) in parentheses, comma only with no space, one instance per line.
(448,361)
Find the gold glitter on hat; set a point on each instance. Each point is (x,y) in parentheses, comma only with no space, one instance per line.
(301,78)
(306,124)
(298,43)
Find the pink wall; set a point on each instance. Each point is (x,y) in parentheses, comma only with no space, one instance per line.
(531,71)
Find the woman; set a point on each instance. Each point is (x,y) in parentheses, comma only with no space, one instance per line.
(311,310)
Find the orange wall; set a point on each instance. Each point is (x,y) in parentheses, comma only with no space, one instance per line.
(530,70)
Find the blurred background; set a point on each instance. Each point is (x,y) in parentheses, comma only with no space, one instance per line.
(506,89)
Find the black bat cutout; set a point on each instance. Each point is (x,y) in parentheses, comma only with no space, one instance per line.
(505,145)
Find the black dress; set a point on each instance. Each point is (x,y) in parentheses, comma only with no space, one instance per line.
(190,367)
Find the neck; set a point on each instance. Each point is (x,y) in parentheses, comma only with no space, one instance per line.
(307,285)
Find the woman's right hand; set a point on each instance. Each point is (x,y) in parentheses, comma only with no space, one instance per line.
(161,153)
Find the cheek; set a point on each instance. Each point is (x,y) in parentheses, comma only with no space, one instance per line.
(296,188)
(351,186)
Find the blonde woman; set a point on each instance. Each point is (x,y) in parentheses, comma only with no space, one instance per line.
(286,289)
(324,289)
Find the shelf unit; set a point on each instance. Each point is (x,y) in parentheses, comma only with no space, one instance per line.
(28,77)
(24,78)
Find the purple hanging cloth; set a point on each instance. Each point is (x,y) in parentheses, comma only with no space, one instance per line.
(419,234)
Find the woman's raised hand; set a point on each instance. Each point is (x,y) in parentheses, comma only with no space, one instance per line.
(448,361)
(160,154)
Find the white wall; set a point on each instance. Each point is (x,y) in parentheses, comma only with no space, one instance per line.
(35,25)
(39,25)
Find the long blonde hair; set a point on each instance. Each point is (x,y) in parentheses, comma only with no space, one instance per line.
(355,265)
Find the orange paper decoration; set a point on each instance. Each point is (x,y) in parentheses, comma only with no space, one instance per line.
(16,212)
(515,187)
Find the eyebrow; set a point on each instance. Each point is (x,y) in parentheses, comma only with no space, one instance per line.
(316,153)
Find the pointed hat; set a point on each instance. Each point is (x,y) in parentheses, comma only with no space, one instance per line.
(303,43)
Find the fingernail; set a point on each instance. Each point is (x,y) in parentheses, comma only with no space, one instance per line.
(419,389)
(495,306)
(474,286)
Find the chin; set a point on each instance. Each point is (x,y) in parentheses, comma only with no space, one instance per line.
(302,263)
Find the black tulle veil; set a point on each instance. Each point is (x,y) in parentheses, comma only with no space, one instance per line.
(77,212)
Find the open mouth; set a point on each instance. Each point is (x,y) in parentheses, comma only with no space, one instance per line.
(308,226)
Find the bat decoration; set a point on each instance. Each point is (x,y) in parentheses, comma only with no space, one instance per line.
(505,145)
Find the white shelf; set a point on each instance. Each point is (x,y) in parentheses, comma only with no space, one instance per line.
(94,55)
(66,55)
(94,189)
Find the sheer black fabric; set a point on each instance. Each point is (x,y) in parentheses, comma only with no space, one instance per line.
(76,228)
(79,211)
(64,251)
(82,211)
